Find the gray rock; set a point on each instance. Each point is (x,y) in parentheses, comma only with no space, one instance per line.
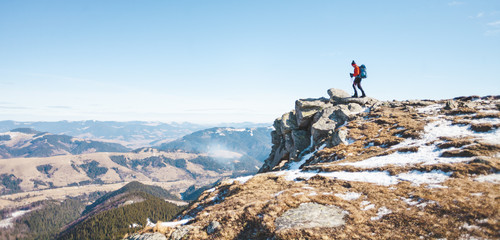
(450,104)
(354,108)
(322,128)
(288,122)
(311,215)
(180,232)
(301,140)
(329,119)
(317,119)
(366,101)
(147,236)
(278,154)
(339,137)
(305,110)
(337,95)
(275,138)
(213,227)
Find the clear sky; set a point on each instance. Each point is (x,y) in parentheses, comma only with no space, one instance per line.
(234,61)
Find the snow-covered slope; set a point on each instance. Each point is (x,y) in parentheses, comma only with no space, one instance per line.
(383,170)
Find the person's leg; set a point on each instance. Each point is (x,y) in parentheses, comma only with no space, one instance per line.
(355,92)
(360,88)
(356,82)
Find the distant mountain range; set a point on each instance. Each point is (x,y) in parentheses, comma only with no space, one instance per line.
(27,142)
(233,146)
(42,160)
(132,134)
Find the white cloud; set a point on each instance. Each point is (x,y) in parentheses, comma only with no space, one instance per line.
(455,3)
(479,15)
(494,24)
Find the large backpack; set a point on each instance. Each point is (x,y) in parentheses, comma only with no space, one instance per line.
(362,71)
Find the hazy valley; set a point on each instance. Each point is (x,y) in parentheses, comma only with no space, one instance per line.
(37,168)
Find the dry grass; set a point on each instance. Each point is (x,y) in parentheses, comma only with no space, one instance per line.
(249,210)
(484,127)
(461,111)
(374,133)
(474,150)
(453,142)
(482,115)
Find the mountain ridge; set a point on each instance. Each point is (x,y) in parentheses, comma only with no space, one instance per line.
(27,142)
(384,170)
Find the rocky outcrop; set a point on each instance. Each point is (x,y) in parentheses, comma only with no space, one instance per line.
(313,123)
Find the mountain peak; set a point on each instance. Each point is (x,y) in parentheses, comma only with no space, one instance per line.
(26,130)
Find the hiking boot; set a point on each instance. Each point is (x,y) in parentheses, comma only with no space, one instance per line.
(355,95)
(363,95)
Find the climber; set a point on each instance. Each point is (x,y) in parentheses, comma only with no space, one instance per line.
(357,80)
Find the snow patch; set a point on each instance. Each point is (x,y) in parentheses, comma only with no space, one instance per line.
(492,178)
(9,222)
(377,177)
(368,207)
(418,177)
(381,213)
(134,225)
(427,154)
(177,223)
(348,196)
(242,180)
(279,193)
(430,109)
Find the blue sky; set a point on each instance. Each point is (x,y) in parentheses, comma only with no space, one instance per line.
(234,61)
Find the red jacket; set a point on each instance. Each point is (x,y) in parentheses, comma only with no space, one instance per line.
(356,70)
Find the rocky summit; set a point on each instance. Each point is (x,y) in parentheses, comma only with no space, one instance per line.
(359,168)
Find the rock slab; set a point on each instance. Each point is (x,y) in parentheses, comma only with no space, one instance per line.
(311,215)
(148,236)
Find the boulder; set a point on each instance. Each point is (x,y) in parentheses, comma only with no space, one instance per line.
(337,95)
(328,120)
(148,236)
(322,128)
(450,105)
(305,110)
(180,233)
(339,137)
(213,227)
(311,215)
(355,108)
